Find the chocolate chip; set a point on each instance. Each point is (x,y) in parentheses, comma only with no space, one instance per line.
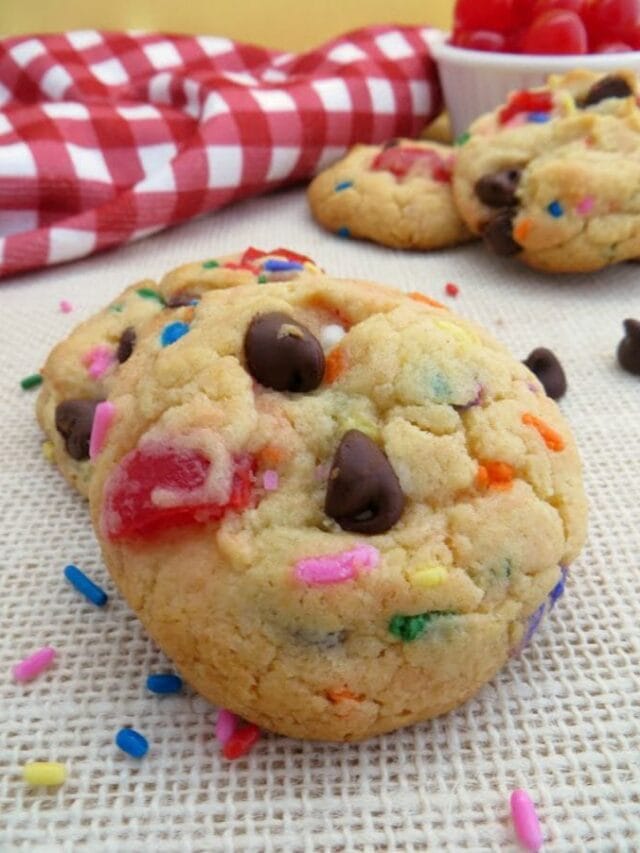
(497,233)
(283,354)
(126,344)
(548,369)
(629,347)
(498,189)
(74,419)
(611,86)
(363,492)
(181,300)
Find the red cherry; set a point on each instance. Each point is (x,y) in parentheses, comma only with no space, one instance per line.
(541,6)
(130,511)
(612,19)
(525,102)
(480,40)
(494,15)
(613,47)
(399,161)
(556,32)
(634,37)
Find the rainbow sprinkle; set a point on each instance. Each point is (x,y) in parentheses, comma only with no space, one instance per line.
(65,306)
(525,820)
(173,332)
(147,293)
(102,420)
(31,381)
(226,724)
(343,185)
(343,232)
(409,628)
(210,265)
(337,568)
(36,663)
(555,209)
(585,207)
(270,480)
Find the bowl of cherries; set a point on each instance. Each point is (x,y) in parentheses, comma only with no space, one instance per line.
(501,45)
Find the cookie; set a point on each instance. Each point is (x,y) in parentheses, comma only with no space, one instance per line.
(553,176)
(334,505)
(398,195)
(79,371)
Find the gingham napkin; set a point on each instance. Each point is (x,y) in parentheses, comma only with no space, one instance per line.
(108,137)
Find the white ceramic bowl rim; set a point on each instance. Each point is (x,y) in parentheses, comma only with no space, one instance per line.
(524,61)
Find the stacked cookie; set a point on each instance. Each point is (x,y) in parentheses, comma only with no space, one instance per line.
(337,507)
(552,177)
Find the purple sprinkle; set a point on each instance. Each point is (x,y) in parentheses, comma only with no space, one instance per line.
(276,265)
(533,624)
(477,400)
(558,590)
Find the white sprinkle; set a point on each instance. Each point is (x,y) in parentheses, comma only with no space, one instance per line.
(331,335)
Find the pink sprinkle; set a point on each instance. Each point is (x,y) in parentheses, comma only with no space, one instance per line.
(226,724)
(337,568)
(525,820)
(98,360)
(65,306)
(102,420)
(322,471)
(585,207)
(34,664)
(270,480)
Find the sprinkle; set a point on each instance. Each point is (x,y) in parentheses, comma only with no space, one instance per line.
(164,682)
(117,308)
(551,438)
(31,381)
(102,420)
(558,590)
(262,279)
(270,455)
(429,576)
(335,365)
(36,663)
(539,117)
(321,472)
(522,230)
(555,209)
(46,773)
(585,207)
(173,332)
(241,741)
(98,360)
(270,480)
(148,293)
(132,742)
(337,568)
(525,820)
(420,297)
(277,265)
(331,335)
(409,628)
(65,306)
(533,624)
(343,232)
(85,586)
(48,451)
(343,185)
(226,724)
(451,289)
(463,138)
(495,475)
(210,265)
(466,336)
(340,694)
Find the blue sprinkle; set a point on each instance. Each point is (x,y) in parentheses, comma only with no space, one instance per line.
(173,332)
(558,590)
(532,626)
(164,682)
(276,265)
(555,209)
(132,742)
(343,185)
(343,232)
(539,118)
(85,586)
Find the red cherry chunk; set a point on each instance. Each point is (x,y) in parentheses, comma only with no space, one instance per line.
(494,15)
(555,32)
(241,741)
(399,161)
(525,101)
(540,6)
(612,20)
(131,513)
(479,40)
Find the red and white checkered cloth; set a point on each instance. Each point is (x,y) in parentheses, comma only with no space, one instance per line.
(108,137)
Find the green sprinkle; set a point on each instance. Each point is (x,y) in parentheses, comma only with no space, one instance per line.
(147,293)
(409,628)
(463,138)
(262,279)
(210,265)
(31,381)
(117,308)
(440,388)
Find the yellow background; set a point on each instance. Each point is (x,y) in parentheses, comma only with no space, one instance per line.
(284,24)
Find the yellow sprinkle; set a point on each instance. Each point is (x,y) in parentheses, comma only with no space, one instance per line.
(47,450)
(47,773)
(431,576)
(567,103)
(462,335)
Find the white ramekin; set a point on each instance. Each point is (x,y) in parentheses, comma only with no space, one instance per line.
(475,82)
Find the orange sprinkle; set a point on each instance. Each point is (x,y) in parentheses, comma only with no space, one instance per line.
(339,694)
(420,297)
(318,301)
(335,365)
(482,477)
(522,230)
(271,456)
(551,438)
(495,475)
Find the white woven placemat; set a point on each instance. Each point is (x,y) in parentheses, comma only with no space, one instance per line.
(562,721)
